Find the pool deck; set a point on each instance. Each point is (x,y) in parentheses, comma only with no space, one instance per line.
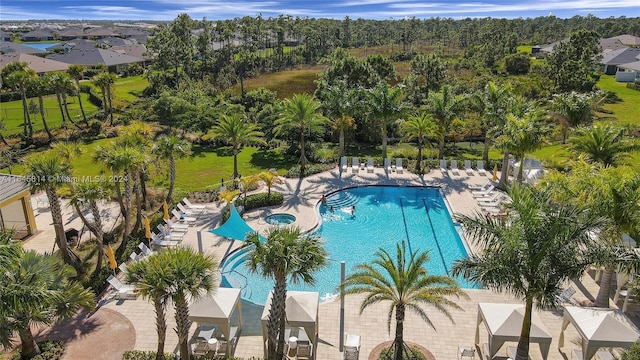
(301,199)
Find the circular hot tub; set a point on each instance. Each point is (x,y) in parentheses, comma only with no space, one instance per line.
(280,219)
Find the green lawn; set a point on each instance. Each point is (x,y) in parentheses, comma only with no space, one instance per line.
(626,111)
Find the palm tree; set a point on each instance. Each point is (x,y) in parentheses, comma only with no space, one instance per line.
(150,278)
(386,106)
(47,171)
(191,275)
(89,193)
(35,289)
(338,103)
(171,147)
(492,104)
(574,109)
(518,107)
(522,134)
(602,144)
(419,127)
(270,178)
(40,87)
(62,85)
(284,255)
(403,281)
(237,131)
(445,107)
(3,127)
(247,183)
(300,114)
(18,78)
(76,72)
(105,82)
(539,247)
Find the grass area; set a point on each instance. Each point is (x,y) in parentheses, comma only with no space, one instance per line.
(626,110)
(285,83)
(11,113)
(525,48)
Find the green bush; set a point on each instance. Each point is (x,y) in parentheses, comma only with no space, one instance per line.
(259,200)
(410,354)
(151,355)
(632,353)
(407,153)
(310,169)
(97,281)
(49,350)
(325,155)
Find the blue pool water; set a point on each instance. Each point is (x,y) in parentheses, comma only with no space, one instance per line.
(383,216)
(280,219)
(40,45)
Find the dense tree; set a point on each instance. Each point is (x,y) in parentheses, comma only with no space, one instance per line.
(572,64)
(427,74)
(285,255)
(338,104)
(35,289)
(492,105)
(40,87)
(517,64)
(575,109)
(173,45)
(385,106)
(539,247)
(403,281)
(445,107)
(604,144)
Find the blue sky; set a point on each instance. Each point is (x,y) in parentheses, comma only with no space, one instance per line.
(337,9)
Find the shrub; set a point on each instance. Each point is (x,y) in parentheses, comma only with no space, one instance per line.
(255,201)
(325,155)
(310,169)
(410,354)
(49,350)
(632,353)
(97,281)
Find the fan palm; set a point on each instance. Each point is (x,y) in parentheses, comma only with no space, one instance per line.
(237,131)
(574,109)
(40,87)
(300,114)
(386,105)
(35,289)
(338,103)
(105,82)
(403,281)
(419,127)
(284,255)
(602,144)
(532,254)
(171,147)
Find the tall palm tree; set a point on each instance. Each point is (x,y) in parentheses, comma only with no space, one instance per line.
(47,171)
(338,103)
(19,79)
(36,289)
(191,275)
(419,127)
(105,81)
(522,134)
(270,178)
(492,104)
(150,278)
(3,127)
(604,144)
(40,87)
(532,254)
(63,85)
(284,255)
(386,106)
(89,193)
(445,107)
(300,114)
(403,281)
(518,107)
(76,72)
(171,147)
(236,130)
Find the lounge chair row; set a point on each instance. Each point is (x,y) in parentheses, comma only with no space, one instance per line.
(357,166)
(467,167)
(488,197)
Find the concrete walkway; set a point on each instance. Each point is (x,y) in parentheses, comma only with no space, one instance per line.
(301,199)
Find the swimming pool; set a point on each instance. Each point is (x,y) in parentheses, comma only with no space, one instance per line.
(383,216)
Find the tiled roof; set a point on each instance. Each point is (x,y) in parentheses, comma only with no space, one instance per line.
(38,64)
(92,57)
(9,47)
(11,185)
(621,56)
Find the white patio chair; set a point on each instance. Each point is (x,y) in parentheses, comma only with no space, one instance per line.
(124,290)
(370,165)
(454,167)
(399,167)
(387,165)
(443,166)
(480,167)
(467,167)
(193,206)
(343,163)
(355,164)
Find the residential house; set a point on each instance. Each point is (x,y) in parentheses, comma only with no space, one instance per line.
(116,41)
(16,213)
(628,72)
(611,44)
(612,59)
(40,65)
(92,57)
(72,44)
(99,33)
(11,48)
(5,36)
(69,33)
(628,40)
(137,50)
(37,35)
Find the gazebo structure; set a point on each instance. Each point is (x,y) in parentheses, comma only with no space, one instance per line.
(599,328)
(301,311)
(504,323)
(217,309)
(16,213)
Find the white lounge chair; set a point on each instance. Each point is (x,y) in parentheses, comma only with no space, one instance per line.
(493,204)
(483,193)
(387,165)
(124,290)
(162,242)
(443,166)
(304,350)
(454,167)
(355,164)
(351,347)
(176,227)
(399,167)
(466,351)
(343,163)
(145,249)
(123,268)
(193,206)
(181,217)
(481,187)
(188,212)
(134,256)
(467,167)
(480,167)
(370,165)
(490,198)
(168,234)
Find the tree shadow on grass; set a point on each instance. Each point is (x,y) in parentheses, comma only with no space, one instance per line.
(272,159)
